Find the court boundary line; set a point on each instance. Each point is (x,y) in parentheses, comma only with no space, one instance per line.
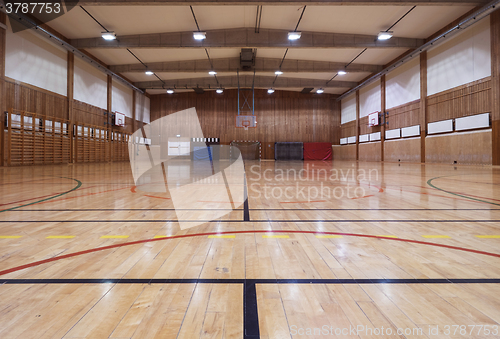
(257,209)
(251,328)
(79,184)
(429,182)
(257,281)
(98,249)
(257,221)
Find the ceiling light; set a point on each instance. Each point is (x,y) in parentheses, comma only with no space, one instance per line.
(170,91)
(212,72)
(320,90)
(270,91)
(385,35)
(219,90)
(149,72)
(108,36)
(341,72)
(278,72)
(199,35)
(294,35)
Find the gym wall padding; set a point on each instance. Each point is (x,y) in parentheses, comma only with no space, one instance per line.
(403,84)
(318,151)
(90,85)
(289,151)
(36,62)
(348,109)
(202,153)
(122,99)
(204,149)
(369,99)
(464,58)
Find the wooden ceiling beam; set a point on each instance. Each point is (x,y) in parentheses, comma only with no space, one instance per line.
(233,64)
(277,2)
(245,81)
(246,37)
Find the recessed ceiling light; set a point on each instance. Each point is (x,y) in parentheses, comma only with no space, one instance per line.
(320,90)
(270,91)
(108,36)
(341,72)
(170,91)
(385,35)
(219,90)
(199,35)
(212,72)
(294,35)
(278,72)
(149,73)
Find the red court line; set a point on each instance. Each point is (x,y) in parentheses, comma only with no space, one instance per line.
(300,202)
(43,196)
(84,195)
(366,196)
(470,195)
(222,202)
(97,249)
(435,195)
(133,189)
(25,182)
(152,196)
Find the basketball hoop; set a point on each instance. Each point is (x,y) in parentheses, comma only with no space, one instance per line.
(246,121)
(245,124)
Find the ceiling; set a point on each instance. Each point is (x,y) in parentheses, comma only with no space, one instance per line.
(420,23)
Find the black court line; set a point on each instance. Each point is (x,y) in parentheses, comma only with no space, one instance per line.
(249,281)
(239,221)
(246,211)
(252,209)
(250,308)
(250,311)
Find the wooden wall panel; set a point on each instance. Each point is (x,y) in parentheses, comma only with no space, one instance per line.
(3,106)
(344,152)
(37,139)
(370,151)
(402,150)
(495,86)
(464,148)
(348,129)
(469,99)
(28,98)
(88,114)
(282,116)
(404,115)
(364,129)
(24,97)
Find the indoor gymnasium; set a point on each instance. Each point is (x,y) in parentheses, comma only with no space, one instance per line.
(249,169)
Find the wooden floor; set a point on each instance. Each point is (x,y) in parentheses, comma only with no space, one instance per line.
(407,248)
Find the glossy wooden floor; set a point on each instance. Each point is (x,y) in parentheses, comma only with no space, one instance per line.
(294,233)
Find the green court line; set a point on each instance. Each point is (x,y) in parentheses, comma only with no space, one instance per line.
(55,196)
(429,182)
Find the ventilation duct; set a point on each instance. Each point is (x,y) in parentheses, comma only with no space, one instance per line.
(247,59)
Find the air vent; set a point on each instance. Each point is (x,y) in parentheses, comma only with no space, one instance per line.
(198,90)
(306,90)
(247,58)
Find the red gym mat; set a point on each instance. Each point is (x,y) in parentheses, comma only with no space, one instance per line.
(317,151)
